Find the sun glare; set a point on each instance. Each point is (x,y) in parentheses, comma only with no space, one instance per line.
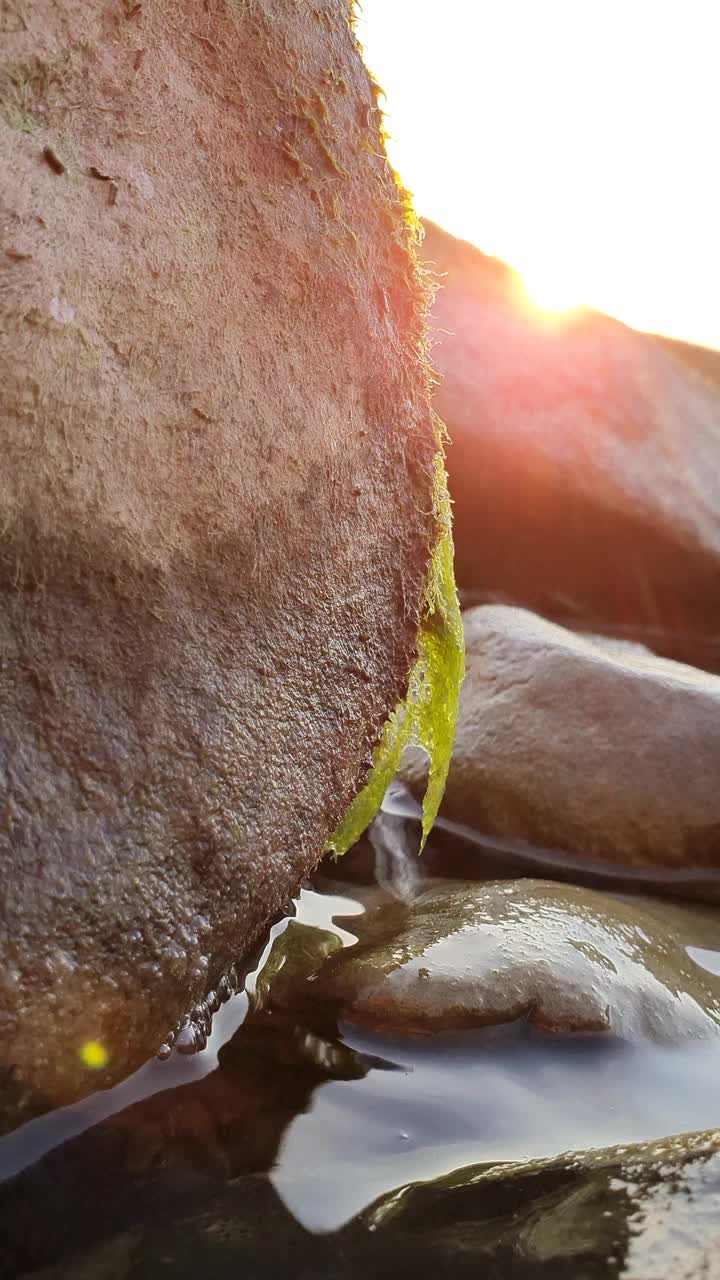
(549,289)
(571,140)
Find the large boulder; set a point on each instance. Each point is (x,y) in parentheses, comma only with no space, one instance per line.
(215,498)
(582,462)
(585,746)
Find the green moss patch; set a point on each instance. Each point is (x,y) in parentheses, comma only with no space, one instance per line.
(428,714)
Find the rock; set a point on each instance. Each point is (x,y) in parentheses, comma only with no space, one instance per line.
(467,955)
(215,500)
(642,1212)
(583,745)
(583,460)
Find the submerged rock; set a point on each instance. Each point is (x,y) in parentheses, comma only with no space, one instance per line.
(215,500)
(583,459)
(642,1212)
(583,745)
(470,955)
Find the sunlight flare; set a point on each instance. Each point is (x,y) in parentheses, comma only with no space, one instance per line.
(549,289)
(573,141)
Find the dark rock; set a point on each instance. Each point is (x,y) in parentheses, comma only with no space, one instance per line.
(644,1212)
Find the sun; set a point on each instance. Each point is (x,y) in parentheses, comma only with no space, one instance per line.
(550,288)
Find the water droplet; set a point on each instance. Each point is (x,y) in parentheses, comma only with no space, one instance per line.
(186,1039)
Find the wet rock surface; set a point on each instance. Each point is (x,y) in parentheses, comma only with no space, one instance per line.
(563,958)
(583,459)
(642,1213)
(583,745)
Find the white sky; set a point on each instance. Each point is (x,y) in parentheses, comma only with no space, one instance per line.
(577,139)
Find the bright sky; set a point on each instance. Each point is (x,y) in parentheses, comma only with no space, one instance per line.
(577,139)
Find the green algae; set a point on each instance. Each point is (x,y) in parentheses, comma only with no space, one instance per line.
(427,715)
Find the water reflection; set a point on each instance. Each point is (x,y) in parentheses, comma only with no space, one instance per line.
(497,1096)
(291,1135)
(154,1154)
(26,1144)
(176,1183)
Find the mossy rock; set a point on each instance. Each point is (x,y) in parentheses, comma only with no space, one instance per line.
(221,514)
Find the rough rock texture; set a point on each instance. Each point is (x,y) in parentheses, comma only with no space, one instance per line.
(585,745)
(467,955)
(215,511)
(583,459)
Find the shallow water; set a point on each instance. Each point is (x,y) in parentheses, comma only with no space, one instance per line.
(483,1097)
(329,1118)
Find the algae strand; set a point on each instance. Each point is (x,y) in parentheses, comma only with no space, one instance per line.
(427,715)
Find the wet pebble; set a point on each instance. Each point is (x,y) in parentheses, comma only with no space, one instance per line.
(462,955)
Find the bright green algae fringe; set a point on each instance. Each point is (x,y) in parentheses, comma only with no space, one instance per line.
(428,714)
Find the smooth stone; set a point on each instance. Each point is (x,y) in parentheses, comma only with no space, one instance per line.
(583,745)
(469,955)
(582,459)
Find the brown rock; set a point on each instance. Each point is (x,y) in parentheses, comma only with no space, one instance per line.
(214,497)
(466,955)
(583,460)
(583,745)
